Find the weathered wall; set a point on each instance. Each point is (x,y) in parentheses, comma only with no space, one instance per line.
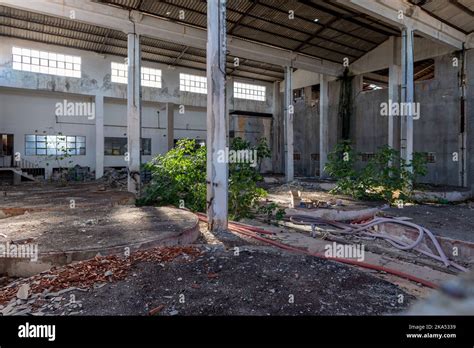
(27,103)
(306,133)
(470,116)
(436,130)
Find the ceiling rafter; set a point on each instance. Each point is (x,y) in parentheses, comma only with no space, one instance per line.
(350,19)
(187,8)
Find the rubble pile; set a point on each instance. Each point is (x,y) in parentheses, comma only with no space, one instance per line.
(44,290)
(115,178)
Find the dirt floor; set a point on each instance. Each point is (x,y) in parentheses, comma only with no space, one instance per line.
(454,221)
(232,275)
(256,281)
(81,217)
(260,281)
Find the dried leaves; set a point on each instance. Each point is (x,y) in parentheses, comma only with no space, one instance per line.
(100,269)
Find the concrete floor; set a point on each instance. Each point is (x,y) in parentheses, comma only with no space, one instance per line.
(99,221)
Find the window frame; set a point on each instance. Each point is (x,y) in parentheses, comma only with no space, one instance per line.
(51,145)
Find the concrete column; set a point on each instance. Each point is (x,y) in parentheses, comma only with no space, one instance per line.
(170,125)
(463,132)
(394,77)
(406,124)
(134,113)
(217,171)
(99,136)
(323,124)
(229,92)
(288,124)
(277,128)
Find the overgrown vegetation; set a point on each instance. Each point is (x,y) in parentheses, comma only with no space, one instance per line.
(385,176)
(271,212)
(179,178)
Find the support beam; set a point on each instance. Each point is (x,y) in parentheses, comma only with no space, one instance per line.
(99,136)
(91,12)
(413,16)
(406,122)
(277,130)
(394,77)
(134,113)
(323,124)
(288,124)
(217,170)
(170,125)
(394,82)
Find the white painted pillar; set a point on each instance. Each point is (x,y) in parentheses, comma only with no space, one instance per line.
(277,128)
(394,82)
(229,91)
(288,124)
(410,95)
(99,136)
(170,125)
(406,123)
(134,113)
(394,77)
(323,123)
(217,171)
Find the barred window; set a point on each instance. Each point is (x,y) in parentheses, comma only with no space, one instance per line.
(54,145)
(192,83)
(114,146)
(26,59)
(249,92)
(149,77)
(119,73)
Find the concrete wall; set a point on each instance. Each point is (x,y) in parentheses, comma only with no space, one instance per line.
(436,130)
(27,103)
(470,116)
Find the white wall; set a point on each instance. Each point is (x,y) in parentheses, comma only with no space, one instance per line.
(27,103)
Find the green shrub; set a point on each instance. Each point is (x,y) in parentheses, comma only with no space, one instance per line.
(180,174)
(385,176)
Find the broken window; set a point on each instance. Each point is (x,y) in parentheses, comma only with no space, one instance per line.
(115,146)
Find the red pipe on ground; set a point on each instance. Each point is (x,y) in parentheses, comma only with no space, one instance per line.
(250,233)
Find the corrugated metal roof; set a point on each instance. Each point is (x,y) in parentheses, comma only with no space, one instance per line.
(63,32)
(322,29)
(457,13)
(318,28)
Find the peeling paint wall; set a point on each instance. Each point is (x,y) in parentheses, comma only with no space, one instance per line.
(436,131)
(27,103)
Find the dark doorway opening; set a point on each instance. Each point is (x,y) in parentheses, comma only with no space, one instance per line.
(6,150)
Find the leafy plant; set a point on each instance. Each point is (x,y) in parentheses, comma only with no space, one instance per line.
(272,212)
(179,176)
(386,176)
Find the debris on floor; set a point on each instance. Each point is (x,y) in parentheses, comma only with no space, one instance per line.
(84,275)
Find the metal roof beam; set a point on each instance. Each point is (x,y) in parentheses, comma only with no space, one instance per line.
(414,17)
(126,21)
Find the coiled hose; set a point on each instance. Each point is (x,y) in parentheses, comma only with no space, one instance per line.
(367,230)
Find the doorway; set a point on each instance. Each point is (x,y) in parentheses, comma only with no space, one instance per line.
(6,150)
